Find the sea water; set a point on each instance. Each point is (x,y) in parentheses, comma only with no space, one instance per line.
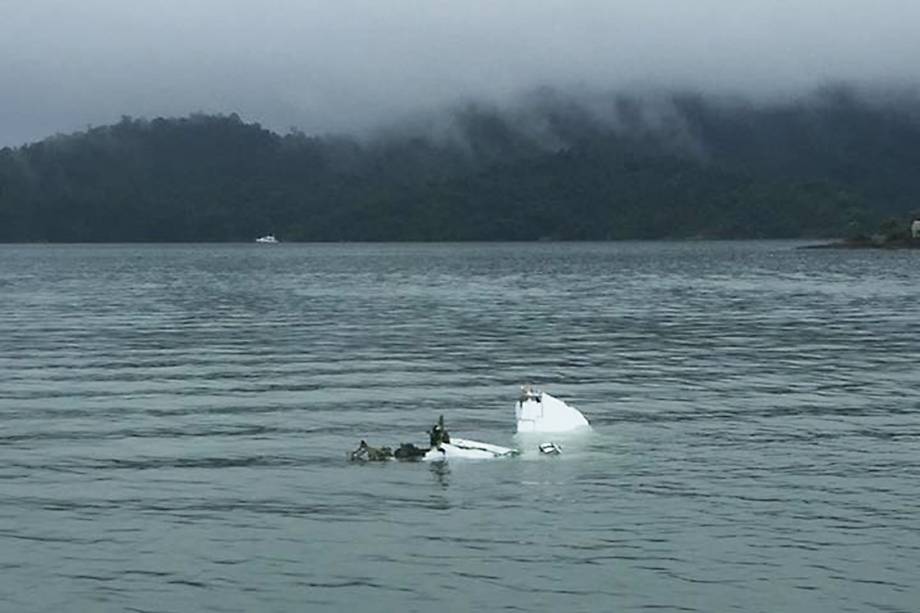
(175,419)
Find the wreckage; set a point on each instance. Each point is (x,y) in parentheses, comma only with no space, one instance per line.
(535,412)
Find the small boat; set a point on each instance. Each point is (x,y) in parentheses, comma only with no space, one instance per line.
(537,411)
(268,238)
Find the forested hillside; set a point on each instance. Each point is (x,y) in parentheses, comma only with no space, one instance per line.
(683,167)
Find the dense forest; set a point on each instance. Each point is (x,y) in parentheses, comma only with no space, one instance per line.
(552,168)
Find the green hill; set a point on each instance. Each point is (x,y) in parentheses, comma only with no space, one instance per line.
(831,165)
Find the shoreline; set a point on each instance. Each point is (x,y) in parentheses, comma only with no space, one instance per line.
(868,244)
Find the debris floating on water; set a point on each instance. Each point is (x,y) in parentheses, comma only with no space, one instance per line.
(550,448)
(537,411)
(366,453)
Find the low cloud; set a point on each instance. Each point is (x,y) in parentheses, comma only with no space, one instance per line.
(348,65)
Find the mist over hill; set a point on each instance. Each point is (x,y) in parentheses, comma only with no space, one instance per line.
(551,166)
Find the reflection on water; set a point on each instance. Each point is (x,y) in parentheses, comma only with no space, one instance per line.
(441,473)
(176,421)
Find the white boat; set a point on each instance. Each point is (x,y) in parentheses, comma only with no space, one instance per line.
(463,449)
(537,411)
(268,238)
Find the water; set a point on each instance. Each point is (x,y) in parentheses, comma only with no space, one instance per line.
(174,422)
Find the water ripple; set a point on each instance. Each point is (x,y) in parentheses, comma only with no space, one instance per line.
(174,421)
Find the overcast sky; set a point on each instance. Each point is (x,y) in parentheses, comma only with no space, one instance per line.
(343,65)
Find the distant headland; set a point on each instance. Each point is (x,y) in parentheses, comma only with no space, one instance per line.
(892,234)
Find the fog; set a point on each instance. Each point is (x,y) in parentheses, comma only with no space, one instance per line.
(349,65)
